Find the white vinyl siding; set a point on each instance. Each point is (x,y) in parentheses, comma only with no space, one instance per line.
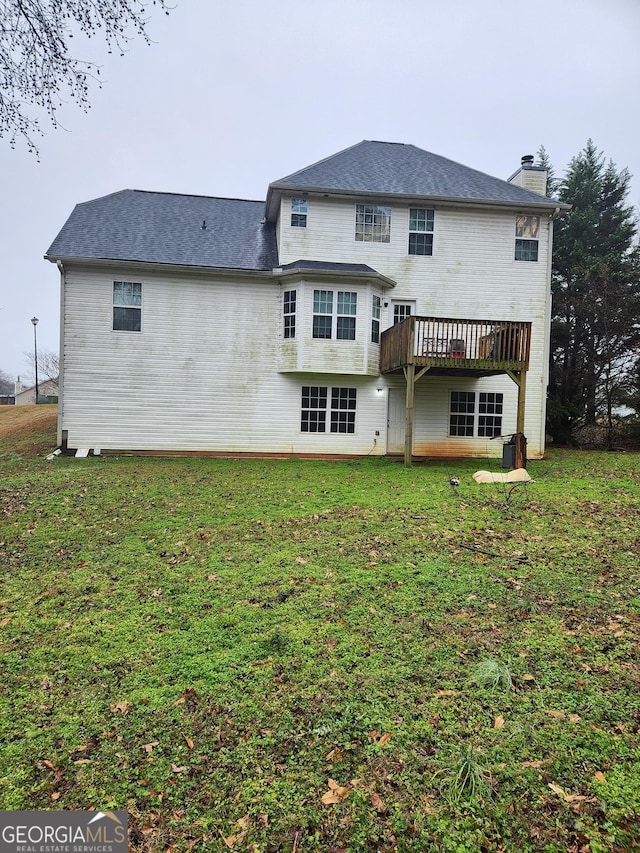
(203,377)
(472,274)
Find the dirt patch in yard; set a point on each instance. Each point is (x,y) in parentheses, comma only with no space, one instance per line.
(28,430)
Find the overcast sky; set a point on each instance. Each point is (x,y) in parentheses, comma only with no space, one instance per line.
(234,94)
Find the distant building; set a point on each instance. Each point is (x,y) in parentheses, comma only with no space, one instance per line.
(47,393)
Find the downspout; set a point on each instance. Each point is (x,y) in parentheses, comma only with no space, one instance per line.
(60,438)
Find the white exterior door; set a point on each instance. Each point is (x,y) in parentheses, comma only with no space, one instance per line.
(396,420)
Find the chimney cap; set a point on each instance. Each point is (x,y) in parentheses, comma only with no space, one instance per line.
(527,160)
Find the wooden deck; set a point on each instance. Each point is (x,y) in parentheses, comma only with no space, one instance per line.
(480,346)
(438,345)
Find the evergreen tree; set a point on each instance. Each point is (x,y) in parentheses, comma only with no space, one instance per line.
(596,295)
(545,161)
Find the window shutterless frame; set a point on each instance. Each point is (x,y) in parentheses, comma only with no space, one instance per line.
(127,306)
(299,210)
(289,299)
(527,237)
(421,221)
(340,403)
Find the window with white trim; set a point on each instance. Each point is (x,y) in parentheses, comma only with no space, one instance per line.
(472,414)
(127,306)
(299,213)
(373,223)
(334,318)
(527,236)
(340,404)
(314,409)
(401,310)
(421,231)
(490,414)
(375,320)
(289,313)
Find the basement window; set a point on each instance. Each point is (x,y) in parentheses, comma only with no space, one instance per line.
(472,414)
(127,306)
(340,403)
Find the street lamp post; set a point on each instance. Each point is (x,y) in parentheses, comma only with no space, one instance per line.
(34,320)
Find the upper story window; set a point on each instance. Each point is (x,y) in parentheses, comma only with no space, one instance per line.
(346,316)
(298,212)
(375,320)
(322,313)
(127,306)
(340,322)
(527,236)
(421,231)
(373,223)
(289,312)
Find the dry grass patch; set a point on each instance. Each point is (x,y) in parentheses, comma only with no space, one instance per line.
(29,430)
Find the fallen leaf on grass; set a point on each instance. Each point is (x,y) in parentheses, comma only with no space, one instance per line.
(336,793)
(599,775)
(444,693)
(238,837)
(121,707)
(49,764)
(528,677)
(56,795)
(560,715)
(378,803)
(336,754)
(384,740)
(148,747)
(188,740)
(536,764)
(568,797)
(176,769)
(5,621)
(498,722)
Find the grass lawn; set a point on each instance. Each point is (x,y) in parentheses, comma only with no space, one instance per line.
(280,655)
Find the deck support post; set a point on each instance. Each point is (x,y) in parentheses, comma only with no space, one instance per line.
(410,374)
(522,388)
(520,378)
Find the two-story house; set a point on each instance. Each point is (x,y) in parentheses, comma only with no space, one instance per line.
(383,300)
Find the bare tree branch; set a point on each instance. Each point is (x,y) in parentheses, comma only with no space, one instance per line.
(38,72)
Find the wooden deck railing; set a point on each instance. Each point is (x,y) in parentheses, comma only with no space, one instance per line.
(492,345)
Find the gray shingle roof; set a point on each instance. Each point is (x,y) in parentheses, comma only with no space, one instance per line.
(336,269)
(329,266)
(166,228)
(394,168)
